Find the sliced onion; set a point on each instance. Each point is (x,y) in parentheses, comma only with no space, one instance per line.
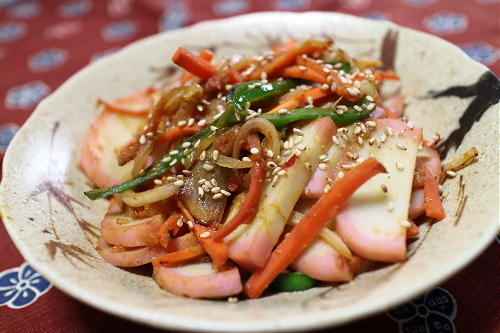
(141,158)
(257,125)
(232,163)
(134,199)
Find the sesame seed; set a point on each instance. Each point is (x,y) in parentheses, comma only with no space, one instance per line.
(389,131)
(190,224)
(297,131)
(174,162)
(171,179)
(179,222)
(363,128)
(404,223)
(360,140)
(205,234)
(326,70)
(149,134)
(371,106)
(275,180)
(186,144)
(232,300)
(229,86)
(182,123)
(346,166)
(166,159)
(353,91)
(208,167)
(357,108)
(322,166)
(215,189)
(190,122)
(399,166)
(371,141)
(400,146)
(157,181)
(213,128)
(301,147)
(276,170)
(186,172)
(199,108)
(205,188)
(202,122)
(335,139)
(323,157)
(371,123)
(246,159)
(383,138)
(142,140)
(307,165)
(283,111)
(197,143)
(201,181)
(329,180)
(226,193)
(329,78)
(174,152)
(217,196)
(215,154)
(303,68)
(271,164)
(285,145)
(269,153)
(281,173)
(254,151)
(340,174)
(390,206)
(357,129)
(200,192)
(369,98)
(179,182)
(310,100)
(451,173)
(213,182)
(410,125)
(325,87)
(203,155)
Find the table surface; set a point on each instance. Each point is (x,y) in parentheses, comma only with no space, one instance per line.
(41,46)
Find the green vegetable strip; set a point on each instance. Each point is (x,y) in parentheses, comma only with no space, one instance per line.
(293,282)
(347,117)
(235,112)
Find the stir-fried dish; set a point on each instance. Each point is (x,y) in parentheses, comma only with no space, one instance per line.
(252,173)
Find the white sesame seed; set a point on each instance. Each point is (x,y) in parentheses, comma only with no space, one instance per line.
(360,140)
(190,122)
(182,123)
(329,78)
(197,143)
(200,107)
(283,111)
(263,76)
(215,189)
(203,155)
(186,172)
(158,181)
(215,154)
(232,300)
(226,193)
(174,162)
(174,152)
(208,167)
(297,131)
(390,206)
(369,98)
(301,147)
(229,86)
(246,159)
(271,164)
(166,159)
(303,68)
(213,182)
(383,138)
(310,100)
(149,134)
(323,157)
(171,179)
(371,123)
(179,223)
(186,144)
(202,122)
(213,128)
(410,125)
(205,188)
(276,170)
(357,129)
(307,165)
(254,151)
(353,91)
(405,223)
(179,182)
(346,166)
(205,234)
(269,153)
(281,173)
(190,224)
(399,166)
(200,192)
(322,166)
(371,141)
(142,140)
(326,70)
(335,139)
(451,173)
(371,106)
(325,87)
(201,181)
(340,174)
(357,108)
(217,196)
(400,146)
(389,131)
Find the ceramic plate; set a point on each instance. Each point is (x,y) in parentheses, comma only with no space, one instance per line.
(54,225)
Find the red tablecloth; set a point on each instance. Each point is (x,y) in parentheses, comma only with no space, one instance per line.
(42,43)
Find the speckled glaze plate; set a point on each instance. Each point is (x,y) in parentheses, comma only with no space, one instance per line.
(55,226)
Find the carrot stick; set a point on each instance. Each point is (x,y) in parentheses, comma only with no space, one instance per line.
(176,132)
(234,76)
(178,257)
(312,64)
(249,207)
(204,54)
(301,99)
(217,250)
(193,64)
(185,212)
(305,73)
(287,59)
(432,200)
(168,225)
(290,44)
(310,225)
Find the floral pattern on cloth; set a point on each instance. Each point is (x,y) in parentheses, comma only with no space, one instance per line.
(21,286)
(7,132)
(433,313)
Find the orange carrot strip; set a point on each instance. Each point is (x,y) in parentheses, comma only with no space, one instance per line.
(287,59)
(301,99)
(217,250)
(168,225)
(176,132)
(383,75)
(288,105)
(432,200)
(249,207)
(310,225)
(234,76)
(290,44)
(312,64)
(178,257)
(305,73)
(185,212)
(412,231)
(204,54)
(193,64)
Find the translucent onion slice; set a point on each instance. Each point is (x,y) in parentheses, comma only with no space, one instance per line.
(257,125)
(134,199)
(232,163)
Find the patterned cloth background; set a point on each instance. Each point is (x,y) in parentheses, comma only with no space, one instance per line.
(42,43)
